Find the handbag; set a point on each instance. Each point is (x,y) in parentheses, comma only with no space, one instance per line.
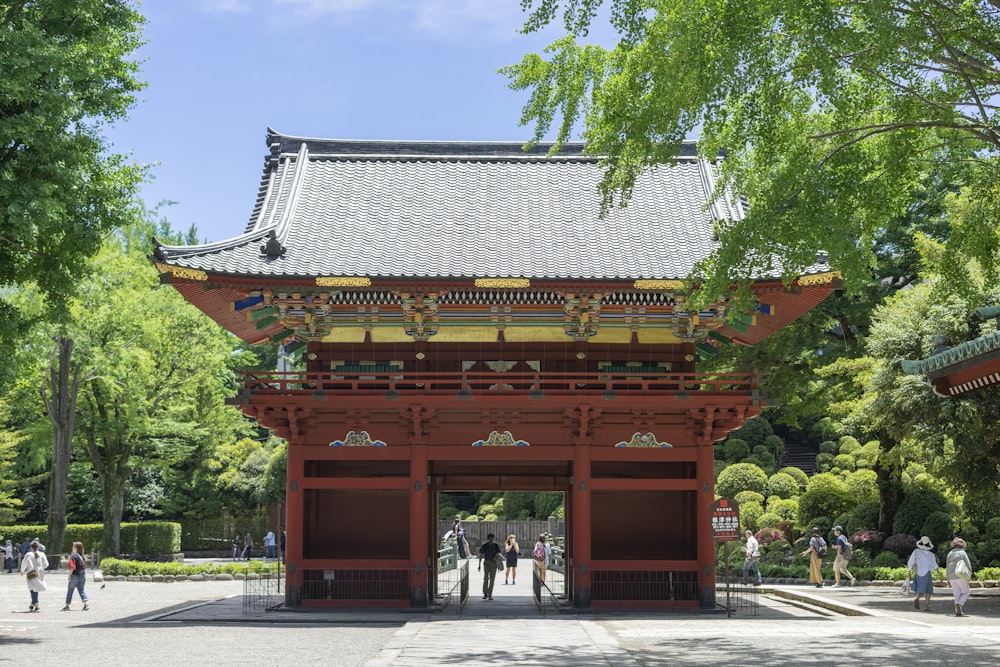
(962,570)
(904,588)
(500,562)
(32,574)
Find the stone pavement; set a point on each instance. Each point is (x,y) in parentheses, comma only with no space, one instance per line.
(134,623)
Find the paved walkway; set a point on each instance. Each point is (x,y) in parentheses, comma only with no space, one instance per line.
(133,623)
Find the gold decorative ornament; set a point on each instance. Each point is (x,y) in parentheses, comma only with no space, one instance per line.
(497,439)
(311,356)
(502,283)
(819,278)
(343,281)
(420,355)
(643,440)
(658,284)
(581,356)
(181,272)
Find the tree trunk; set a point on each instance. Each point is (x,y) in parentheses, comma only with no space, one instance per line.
(890,495)
(113,491)
(60,398)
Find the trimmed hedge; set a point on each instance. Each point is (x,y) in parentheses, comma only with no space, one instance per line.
(147,537)
(115,567)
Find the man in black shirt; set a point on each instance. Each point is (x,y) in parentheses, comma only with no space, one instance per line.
(489,552)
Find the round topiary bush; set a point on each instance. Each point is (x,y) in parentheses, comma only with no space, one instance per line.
(993,528)
(824,503)
(824,462)
(863,485)
(797,474)
(740,477)
(825,482)
(917,505)
(783,485)
(749,497)
(828,447)
(786,509)
(865,516)
(848,445)
(736,450)
(939,526)
(750,512)
(901,544)
(768,520)
(844,462)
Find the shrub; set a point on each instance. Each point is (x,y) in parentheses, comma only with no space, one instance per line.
(917,505)
(797,474)
(767,537)
(863,485)
(750,512)
(825,482)
(824,462)
(828,447)
(749,497)
(867,539)
(993,528)
(786,509)
(865,517)
(901,544)
(783,485)
(844,462)
(887,559)
(938,526)
(988,573)
(824,503)
(740,477)
(776,446)
(763,453)
(848,445)
(736,450)
(982,507)
(768,520)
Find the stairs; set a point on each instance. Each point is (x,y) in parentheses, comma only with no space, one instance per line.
(800,455)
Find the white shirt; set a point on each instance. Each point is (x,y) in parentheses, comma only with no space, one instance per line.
(923,561)
(752,546)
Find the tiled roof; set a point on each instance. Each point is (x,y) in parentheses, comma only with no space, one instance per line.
(462,209)
(977,347)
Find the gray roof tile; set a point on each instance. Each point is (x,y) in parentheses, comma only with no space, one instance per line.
(447,209)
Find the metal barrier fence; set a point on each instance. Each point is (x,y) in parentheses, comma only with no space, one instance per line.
(453,587)
(356,584)
(263,591)
(736,596)
(620,585)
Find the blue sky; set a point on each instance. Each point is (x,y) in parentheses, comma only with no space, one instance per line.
(220,72)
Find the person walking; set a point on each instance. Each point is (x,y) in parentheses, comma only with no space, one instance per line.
(817,552)
(9,558)
(511,551)
(77,576)
(751,564)
(248,546)
(958,569)
(33,568)
(922,565)
(269,544)
(489,552)
(542,553)
(236,547)
(844,553)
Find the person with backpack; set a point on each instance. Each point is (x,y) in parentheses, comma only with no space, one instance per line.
(542,553)
(77,576)
(844,552)
(958,570)
(817,552)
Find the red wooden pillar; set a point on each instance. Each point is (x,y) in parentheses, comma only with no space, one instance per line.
(581,519)
(420,556)
(293,529)
(706,546)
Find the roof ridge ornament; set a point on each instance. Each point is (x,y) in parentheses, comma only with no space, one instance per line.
(273,248)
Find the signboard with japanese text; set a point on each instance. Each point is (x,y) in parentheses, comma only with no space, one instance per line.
(725,520)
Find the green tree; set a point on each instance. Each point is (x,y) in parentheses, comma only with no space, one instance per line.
(829,114)
(740,477)
(66,72)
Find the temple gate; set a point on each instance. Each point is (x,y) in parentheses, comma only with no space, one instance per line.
(468,319)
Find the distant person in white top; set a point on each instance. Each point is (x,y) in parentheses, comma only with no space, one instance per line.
(269,545)
(542,553)
(752,561)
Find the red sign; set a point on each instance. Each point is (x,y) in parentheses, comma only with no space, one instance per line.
(725,520)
